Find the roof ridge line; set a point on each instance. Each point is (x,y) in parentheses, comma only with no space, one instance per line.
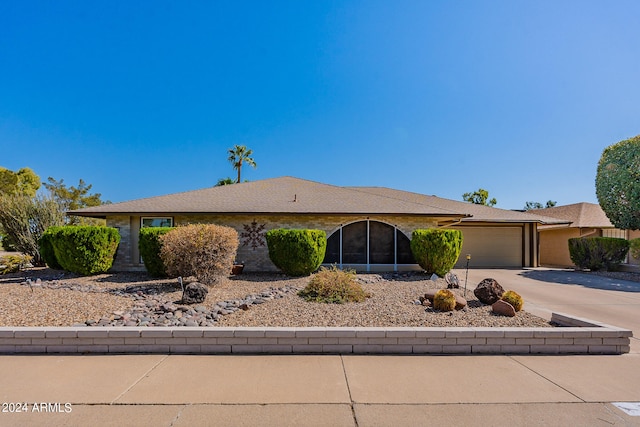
(363,190)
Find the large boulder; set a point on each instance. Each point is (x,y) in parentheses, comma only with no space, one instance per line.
(488,291)
(194,293)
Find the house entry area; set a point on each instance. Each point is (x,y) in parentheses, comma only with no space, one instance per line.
(370,246)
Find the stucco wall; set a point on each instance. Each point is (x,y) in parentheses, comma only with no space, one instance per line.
(554,247)
(252,248)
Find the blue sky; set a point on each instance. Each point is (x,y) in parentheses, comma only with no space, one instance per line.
(143,98)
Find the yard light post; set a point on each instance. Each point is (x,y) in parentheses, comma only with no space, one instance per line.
(466,277)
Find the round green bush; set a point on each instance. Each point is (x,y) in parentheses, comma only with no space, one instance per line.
(150,245)
(436,250)
(296,252)
(46,250)
(85,250)
(444,300)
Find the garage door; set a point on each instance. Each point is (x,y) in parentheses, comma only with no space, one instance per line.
(491,247)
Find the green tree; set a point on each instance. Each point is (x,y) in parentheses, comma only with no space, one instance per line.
(225,181)
(239,155)
(24,182)
(618,183)
(72,198)
(479,197)
(537,205)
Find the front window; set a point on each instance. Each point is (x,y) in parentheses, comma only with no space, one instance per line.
(156,222)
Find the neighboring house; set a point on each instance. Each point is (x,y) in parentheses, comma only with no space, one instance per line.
(368,228)
(585,220)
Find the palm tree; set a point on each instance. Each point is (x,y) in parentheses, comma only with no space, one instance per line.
(238,155)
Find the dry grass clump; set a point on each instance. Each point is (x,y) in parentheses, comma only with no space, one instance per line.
(332,285)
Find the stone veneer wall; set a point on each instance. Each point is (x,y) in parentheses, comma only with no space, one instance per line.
(252,248)
(124,256)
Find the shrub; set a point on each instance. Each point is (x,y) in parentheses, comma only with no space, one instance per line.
(513,298)
(47,253)
(596,253)
(436,250)
(444,300)
(150,244)
(85,249)
(296,252)
(13,263)
(205,251)
(334,286)
(634,248)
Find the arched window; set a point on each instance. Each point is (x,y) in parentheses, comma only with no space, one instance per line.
(368,243)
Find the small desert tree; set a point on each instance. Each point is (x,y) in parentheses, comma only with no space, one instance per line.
(479,197)
(24,219)
(537,205)
(618,183)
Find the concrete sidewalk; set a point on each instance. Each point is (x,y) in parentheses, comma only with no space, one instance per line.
(334,390)
(159,390)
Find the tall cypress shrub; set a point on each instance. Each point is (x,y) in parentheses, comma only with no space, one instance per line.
(436,250)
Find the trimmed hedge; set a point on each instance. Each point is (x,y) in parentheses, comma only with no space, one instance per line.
(596,253)
(85,249)
(297,252)
(47,253)
(150,245)
(436,250)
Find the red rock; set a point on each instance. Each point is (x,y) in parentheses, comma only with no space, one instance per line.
(503,308)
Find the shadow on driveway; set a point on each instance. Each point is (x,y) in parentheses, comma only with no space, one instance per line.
(567,277)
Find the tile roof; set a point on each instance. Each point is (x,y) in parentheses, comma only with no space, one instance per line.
(581,215)
(297,196)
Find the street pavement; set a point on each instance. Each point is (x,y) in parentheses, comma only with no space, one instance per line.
(350,390)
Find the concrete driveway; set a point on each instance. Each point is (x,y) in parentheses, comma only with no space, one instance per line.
(546,290)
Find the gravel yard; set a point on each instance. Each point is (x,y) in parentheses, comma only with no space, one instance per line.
(64,299)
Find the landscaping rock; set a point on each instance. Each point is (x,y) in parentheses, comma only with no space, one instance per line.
(194,293)
(452,281)
(488,291)
(503,308)
(460,302)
